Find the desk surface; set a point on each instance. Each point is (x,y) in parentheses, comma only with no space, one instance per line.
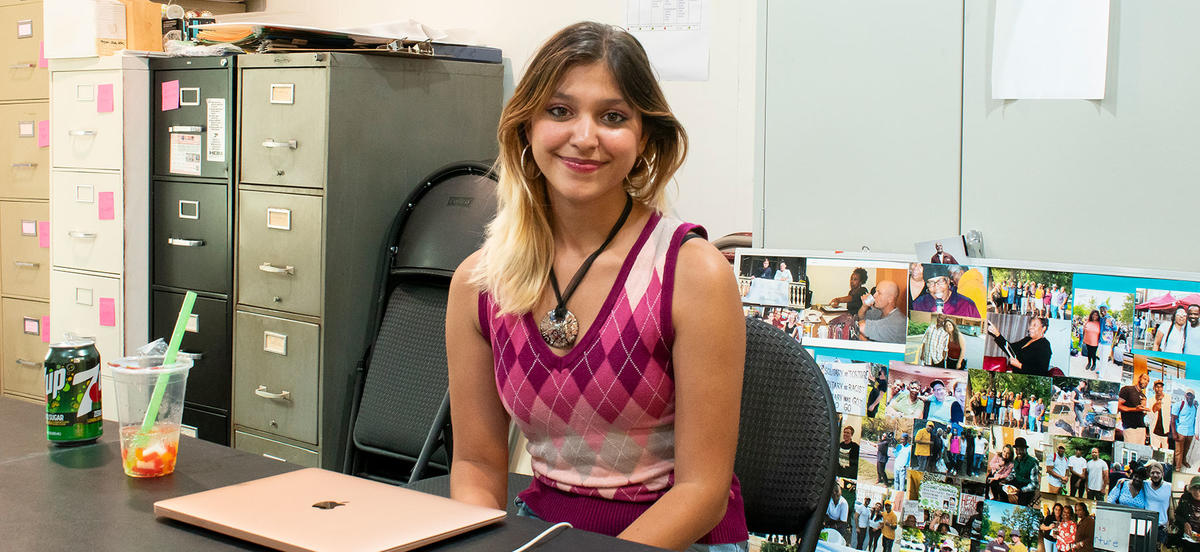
(79,495)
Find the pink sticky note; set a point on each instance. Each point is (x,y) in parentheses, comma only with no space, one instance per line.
(45,329)
(108,311)
(42,56)
(170,95)
(43,134)
(44,234)
(105,201)
(104,98)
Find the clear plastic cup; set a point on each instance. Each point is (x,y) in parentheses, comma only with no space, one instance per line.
(153,453)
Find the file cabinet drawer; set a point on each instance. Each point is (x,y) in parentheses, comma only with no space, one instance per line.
(191,236)
(205,425)
(89,306)
(86,133)
(199,91)
(275,450)
(21,41)
(279,251)
(88,232)
(24,350)
(24,263)
(283,125)
(275,384)
(207,341)
(24,165)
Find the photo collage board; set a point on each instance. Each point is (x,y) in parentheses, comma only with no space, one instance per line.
(981,400)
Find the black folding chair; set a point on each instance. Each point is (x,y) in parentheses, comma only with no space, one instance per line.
(787,452)
(400,422)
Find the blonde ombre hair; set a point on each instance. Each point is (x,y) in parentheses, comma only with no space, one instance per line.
(518,250)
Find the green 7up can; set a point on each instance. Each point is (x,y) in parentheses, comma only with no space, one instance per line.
(73,393)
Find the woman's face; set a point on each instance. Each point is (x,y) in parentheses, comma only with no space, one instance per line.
(916,271)
(949,325)
(856,282)
(1094,317)
(1036,329)
(782,265)
(587,137)
(1180,317)
(939,392)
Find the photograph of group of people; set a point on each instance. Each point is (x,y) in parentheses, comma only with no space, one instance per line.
(1167,321)
(1014,404)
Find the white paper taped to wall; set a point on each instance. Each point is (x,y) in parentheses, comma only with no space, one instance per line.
(675,34)
(1050,49)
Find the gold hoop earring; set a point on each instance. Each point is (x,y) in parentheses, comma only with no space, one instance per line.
(525,171)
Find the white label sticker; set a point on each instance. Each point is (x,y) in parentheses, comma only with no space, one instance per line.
(275,343)
(216,130)
(28,227)
(33,326)
(25,28)
(83,296)
(283,94)
(193,324)
(185,154)
(279,219)
(25,129)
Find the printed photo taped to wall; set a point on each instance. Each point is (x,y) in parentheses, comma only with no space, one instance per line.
(1009,400)
(922,392)
(944,341)
(856,304)
(773,280)
(957,290)
(1084,408)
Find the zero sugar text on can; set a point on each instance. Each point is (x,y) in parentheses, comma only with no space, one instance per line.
(73,415)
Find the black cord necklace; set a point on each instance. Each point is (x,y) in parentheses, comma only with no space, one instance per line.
(559,327)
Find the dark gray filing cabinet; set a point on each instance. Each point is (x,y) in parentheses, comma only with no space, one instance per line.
(330,146)
(191,221)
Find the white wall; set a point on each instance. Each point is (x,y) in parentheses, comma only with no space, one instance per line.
(715,186)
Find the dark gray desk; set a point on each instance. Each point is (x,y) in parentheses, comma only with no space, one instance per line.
(77,498)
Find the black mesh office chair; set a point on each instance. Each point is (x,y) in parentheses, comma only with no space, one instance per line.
(400,419)
(787,453)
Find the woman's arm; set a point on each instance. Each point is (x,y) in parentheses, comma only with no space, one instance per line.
(479,469)
(1158,335)
(708,356)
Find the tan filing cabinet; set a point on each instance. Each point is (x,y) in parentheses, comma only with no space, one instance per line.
(24,190)
(99,203)
(330,146)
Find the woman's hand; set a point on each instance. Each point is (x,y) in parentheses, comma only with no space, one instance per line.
(1014,362)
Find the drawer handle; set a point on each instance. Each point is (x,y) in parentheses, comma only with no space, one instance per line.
(268,267)
(184,242)
(22,66)
(26,264)
(281,396)
(82,235)
(82,133)
(193,356)
(29,363)
(271,143)
(24,165)
(185,128)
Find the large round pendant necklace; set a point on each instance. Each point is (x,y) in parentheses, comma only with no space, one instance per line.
(559,327)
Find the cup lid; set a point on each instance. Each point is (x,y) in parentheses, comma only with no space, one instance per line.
(149,365)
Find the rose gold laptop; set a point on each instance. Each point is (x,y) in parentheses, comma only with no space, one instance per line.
(313,510)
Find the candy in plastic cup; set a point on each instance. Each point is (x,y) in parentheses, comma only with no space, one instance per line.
(153,453)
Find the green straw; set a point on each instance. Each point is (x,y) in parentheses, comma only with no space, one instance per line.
(160,386)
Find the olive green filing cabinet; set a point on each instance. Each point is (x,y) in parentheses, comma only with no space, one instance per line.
(192,159)
(330,145)
(24,193)
(99,204)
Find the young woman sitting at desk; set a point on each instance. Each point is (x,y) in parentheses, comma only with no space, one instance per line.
(577,320)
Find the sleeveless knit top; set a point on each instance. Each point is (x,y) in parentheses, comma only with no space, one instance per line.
(601,420)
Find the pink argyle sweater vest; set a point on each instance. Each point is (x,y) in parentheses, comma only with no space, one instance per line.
(600,420)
